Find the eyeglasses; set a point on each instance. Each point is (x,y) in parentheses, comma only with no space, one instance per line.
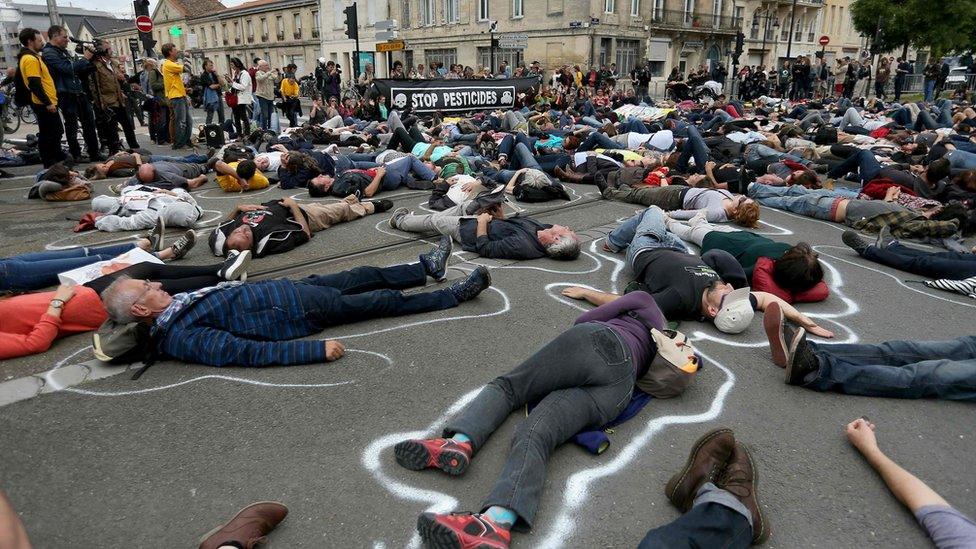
(147,287)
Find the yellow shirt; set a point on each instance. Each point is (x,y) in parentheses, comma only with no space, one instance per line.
(624,153)
(230,184)
(31,66)
(173,79)
(289,88)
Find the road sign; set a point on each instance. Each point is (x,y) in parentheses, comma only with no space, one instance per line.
(396,45)
(575,24)
(388,24)
(387,36)
(824,40)
(134,44)
(144,23)
(175,30)
(513,41)
(192,41)
(594,20)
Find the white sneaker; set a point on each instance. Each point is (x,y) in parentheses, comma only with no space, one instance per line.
(235,266)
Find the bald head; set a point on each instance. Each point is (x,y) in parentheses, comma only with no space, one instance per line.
(146,173)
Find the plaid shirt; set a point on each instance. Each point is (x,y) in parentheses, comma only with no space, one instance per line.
(907,224)
(242,325)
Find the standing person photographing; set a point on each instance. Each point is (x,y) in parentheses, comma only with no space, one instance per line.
(72,101)
(175,92)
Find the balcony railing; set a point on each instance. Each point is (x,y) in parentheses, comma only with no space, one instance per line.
(686,20)
(315,33)
(264,37)
(281,35)
(297,34)
(237,40)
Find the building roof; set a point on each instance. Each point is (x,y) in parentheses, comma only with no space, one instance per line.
(62,10)
(102,25)
(198,8)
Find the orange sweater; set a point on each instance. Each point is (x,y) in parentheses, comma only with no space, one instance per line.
(26,328)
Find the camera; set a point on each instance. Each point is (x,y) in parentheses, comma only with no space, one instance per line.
(97,47)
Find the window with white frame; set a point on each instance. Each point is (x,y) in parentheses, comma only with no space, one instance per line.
(798,32)
(609,6)
(448,56)
(483,14)
(297,22)
(634,8)
(452,11)
(657,10)
(716,9)
(518,9)
(339,15)
(689,10)
(501,54)
(626,57)
(427,14)
(405,13)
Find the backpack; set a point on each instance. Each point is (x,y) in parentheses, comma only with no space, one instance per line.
(22,94)
(118,343)
(825,135)
(488,148)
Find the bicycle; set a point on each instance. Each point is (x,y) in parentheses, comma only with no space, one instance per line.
(306,86)
(351,91)
(26,115)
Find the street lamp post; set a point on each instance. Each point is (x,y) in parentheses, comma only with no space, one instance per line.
(789,43)
(766,16)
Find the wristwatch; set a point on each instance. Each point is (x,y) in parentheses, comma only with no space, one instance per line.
(57,303)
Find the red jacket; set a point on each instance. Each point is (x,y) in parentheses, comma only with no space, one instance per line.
(27,329)
(762,281)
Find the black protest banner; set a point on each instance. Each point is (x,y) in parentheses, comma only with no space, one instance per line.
(453,95)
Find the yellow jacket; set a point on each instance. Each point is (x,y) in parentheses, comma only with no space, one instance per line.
(289,88)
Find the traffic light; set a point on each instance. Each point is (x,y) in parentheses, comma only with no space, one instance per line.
(740,40)
(141,7)
(352,22)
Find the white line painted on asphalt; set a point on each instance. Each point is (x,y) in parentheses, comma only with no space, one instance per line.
(371,460)
(617,269)
(579,484)
(782,231)
(565,300)
(897,279)
(202,378)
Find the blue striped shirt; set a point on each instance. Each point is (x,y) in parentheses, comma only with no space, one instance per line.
(245,325)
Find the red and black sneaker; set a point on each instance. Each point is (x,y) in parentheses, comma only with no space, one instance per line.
(461,531)
(445,454)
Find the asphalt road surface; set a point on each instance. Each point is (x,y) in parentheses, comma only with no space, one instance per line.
(93,459)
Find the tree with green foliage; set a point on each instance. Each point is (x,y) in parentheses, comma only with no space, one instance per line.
(948,26)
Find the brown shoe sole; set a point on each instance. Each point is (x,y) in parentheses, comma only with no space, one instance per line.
(245,508)
(679,477)
(773,324)
(760,532)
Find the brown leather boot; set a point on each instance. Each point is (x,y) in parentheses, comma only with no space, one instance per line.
(706,462)
(741,479)
(248,527)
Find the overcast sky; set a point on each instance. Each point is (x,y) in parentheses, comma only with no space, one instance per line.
(119,8)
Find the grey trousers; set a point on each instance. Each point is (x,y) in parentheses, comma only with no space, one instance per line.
(447,222)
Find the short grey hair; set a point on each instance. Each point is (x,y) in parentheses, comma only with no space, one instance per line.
(118,301)
(565,247)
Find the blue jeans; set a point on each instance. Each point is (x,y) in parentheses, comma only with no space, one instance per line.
(952,265)
(758,156)
(183,121)
(711,522)
(902,116)
(38,270)
(265,106)
(399,172)
(522,157)
(597,140)
(962,160)
(863,162)
(189,159)
(797,199)
(720,117)
(898,369)
(929,90)
(644,231)
(694,147)
(346,162)
(368,292)
(581,380)
(633,125)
